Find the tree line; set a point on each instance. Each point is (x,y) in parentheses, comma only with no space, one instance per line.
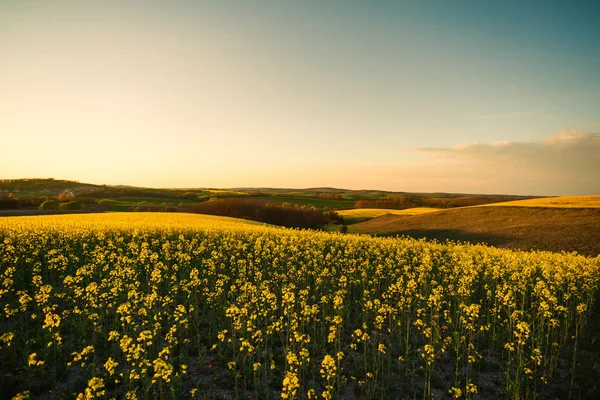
(403,202)
(277,214)
(134,192)
(14,203)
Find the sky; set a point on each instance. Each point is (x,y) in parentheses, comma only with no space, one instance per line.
(437,96)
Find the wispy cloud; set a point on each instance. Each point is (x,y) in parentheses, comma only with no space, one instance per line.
(566,162)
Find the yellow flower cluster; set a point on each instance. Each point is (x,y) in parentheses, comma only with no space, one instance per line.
(94,390)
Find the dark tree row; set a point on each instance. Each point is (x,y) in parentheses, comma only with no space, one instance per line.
(13,203)
(403,202)
(152,208)
(396,203)
(331,196)
(17,203)
(293,216)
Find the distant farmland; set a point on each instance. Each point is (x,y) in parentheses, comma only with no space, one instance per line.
(560,202)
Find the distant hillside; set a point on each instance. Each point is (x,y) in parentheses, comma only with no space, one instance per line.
(355,215)
(553,229)
(47,187)
(323,197)
(592,201)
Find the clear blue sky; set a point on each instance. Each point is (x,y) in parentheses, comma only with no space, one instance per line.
(459,96)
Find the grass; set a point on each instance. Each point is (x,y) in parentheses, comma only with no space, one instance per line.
(362,214)
(553,229)
(592,201)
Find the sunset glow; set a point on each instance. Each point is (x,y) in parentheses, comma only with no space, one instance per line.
(385,95)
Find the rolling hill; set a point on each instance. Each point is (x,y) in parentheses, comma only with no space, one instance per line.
(536,227)
(356,215)
(592,201)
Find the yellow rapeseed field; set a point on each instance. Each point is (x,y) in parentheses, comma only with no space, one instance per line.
(144,305)
(592,201)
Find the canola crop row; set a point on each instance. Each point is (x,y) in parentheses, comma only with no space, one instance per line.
(186,306)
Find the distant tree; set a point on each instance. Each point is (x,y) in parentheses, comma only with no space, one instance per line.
(331,196)
(398,202)
(190,195)
(65,197)
(49,205)
(72,205)
(344,229)
(278,214)
(85,200)
(333,217)
(8,204)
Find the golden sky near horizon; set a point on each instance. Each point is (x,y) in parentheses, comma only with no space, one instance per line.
(383,96)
